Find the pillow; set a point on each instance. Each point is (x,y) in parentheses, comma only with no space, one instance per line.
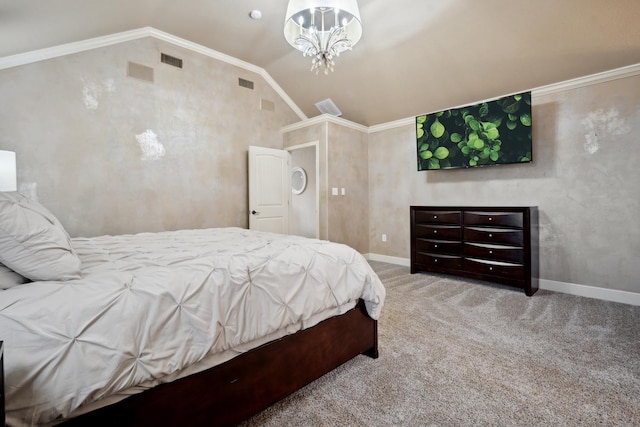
(9,278)
(33,243)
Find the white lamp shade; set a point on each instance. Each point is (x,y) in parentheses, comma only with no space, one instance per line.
(298,17)
(8,180)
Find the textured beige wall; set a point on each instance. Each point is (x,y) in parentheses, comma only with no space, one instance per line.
(111,154)
(343,164)
(584,179)
(348,169)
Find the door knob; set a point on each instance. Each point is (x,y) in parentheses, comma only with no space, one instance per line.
(255,213)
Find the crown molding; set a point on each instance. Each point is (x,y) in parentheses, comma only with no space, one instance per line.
(98,42)
(592,79)
(325,118)
(606,76)
(70,48)
(392,125)
(104,41)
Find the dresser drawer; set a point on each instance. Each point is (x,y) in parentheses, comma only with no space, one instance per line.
(494,268)
(439,246)
(503,219)
(494,252)
(438,217)
(494,235)
(446,232)
(439,261)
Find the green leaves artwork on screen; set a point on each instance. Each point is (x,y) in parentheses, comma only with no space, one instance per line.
(487,133)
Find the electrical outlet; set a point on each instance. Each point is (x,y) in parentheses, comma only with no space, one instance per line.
(384,237)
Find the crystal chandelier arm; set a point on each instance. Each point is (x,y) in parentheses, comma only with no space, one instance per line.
(307,29)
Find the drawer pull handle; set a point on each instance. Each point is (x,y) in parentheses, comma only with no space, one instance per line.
(435,217)
(490,235)
(490,252)
(490,219)
(435,231)
(435,246)
(435,260)
(490,268)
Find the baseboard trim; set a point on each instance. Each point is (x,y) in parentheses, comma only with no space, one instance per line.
(604,294)
(406,262)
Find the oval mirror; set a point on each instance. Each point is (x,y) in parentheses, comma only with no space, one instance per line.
(298,180)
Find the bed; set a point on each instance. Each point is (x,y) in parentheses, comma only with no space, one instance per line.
(189,327)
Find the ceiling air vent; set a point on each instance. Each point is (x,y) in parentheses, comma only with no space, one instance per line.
(328,107)
(245,83)
(171,60)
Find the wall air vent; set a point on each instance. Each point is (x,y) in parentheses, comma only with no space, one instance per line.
(267,105)
(140,72)
(245,83)
(170,60)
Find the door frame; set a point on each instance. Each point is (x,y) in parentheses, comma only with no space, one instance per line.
(315,144)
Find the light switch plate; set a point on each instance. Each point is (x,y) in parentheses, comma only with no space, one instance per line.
(334,191)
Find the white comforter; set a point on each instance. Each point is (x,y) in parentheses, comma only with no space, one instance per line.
(154,307)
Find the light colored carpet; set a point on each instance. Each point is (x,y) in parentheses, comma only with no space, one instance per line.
(454,352)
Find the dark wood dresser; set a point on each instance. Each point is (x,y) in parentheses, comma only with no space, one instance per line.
(495,244)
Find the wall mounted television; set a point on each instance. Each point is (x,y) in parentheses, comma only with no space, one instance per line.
(487,133)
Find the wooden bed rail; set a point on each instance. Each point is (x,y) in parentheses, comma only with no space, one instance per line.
(2,418)
(230,393)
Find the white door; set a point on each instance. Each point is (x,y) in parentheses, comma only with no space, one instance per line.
(269,189)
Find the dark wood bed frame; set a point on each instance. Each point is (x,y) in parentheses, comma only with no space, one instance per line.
(230,393)
(1,383)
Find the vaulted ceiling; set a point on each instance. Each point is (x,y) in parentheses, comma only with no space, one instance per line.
(415,56)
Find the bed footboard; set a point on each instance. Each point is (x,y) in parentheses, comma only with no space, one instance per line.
(251,382)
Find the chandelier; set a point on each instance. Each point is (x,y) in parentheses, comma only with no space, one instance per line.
(322,29)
